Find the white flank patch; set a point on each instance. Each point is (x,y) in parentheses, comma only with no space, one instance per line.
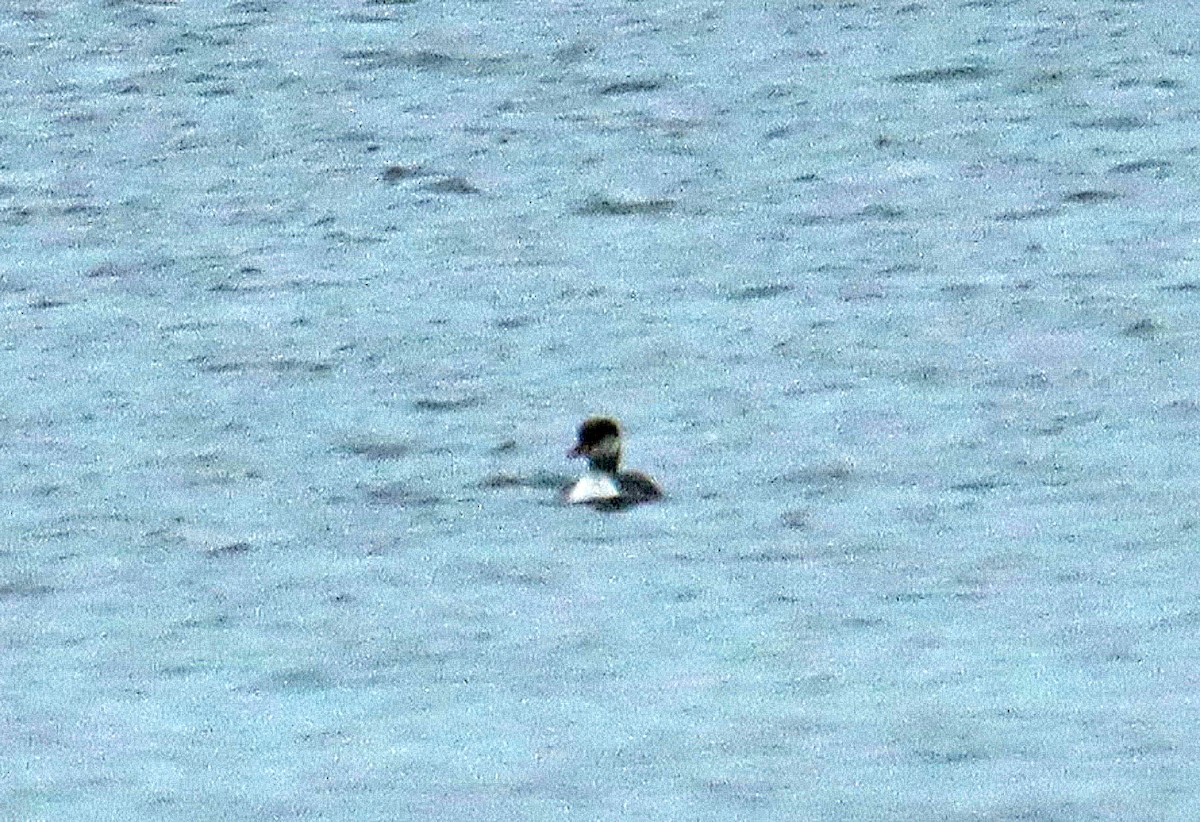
(592,487)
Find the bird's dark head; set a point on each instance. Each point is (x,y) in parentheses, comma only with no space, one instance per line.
(599,440)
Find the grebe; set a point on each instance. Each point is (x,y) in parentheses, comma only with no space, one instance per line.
(605,485)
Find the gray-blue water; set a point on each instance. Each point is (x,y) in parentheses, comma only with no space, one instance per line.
(301,306)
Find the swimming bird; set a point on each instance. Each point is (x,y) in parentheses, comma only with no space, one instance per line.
(605,485)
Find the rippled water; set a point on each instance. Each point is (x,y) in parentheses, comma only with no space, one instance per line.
(302,303)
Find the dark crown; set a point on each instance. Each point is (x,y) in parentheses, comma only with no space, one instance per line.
(596,429)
